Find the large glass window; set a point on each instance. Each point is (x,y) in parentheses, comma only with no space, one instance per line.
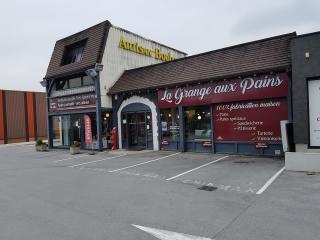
(75,82)
(61,131)
(106,130)
(169,124)
(62,84)
(87,81)
(197,122)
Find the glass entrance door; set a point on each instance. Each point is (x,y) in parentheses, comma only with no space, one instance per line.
(75,128)
(137,130)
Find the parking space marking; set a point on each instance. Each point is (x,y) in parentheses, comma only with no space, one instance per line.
(143,163)
(194,169)
(169,235)
(270,181)
(70,158)
(17,145)
(100,160)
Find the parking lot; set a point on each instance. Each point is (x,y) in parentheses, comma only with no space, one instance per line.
(153,195)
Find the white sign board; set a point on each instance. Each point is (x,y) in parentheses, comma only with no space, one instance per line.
(284,135)
(314,112)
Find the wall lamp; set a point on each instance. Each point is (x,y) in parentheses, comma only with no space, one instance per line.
(307,55)
(93,72)
(44,83)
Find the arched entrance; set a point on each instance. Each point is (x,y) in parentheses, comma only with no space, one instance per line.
(137,124)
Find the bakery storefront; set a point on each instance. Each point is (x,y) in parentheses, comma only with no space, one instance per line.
(230,100)
(240,115)
(230,116)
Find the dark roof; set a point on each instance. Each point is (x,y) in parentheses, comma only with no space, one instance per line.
(270,54)
(96,39)
(307,34)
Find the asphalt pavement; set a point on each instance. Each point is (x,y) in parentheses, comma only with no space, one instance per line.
(126,195)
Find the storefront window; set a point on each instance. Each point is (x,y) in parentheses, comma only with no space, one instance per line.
(69,128)
(198,123)
(106,130)
(86,80)
(169,125)
(61,131)
(124,130)
(62,84)
(75,82)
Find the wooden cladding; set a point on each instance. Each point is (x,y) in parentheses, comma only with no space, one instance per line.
(2,118)
(22,116)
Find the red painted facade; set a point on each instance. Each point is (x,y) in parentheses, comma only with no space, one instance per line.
(245,109)
(249,88)
(254,121)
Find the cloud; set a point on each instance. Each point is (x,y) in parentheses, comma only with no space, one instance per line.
(286,16)
(31,28)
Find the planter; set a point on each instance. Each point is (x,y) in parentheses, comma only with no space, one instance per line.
(74,150)
(42,148)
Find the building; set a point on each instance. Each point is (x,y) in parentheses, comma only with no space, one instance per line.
(305,99)
(229,100)
(72,94)
(22,116)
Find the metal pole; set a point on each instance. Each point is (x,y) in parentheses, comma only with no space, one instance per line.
(181,130)
(98,112)
(48,118)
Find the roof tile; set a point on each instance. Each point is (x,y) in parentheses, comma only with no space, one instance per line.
(266,54)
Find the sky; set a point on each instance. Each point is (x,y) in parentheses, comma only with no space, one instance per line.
(31,28)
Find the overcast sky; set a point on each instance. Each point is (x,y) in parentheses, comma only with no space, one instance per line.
(29,29)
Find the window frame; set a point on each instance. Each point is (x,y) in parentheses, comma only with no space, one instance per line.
(68,83)
(71,48)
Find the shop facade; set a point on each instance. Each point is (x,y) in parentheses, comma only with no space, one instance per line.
(233,113)
(81,71)
(305,98)
(229,116)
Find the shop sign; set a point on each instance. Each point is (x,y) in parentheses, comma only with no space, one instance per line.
(87,129)
(256,121)
(164,126)
(314,112)
(165,142)
(137,48)
(207,144)
(264,86)
(79,101)
(261,145)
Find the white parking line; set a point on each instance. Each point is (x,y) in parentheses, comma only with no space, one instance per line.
(18,144)
(270,181)
(204,165)
(70,158)
(143,163)
(100,160)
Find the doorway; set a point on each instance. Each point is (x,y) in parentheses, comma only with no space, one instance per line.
(137,132)
(75,134)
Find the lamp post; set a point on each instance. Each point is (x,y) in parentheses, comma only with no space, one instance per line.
(46,84)
(94,74)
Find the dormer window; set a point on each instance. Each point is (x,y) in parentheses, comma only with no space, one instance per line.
(74,52)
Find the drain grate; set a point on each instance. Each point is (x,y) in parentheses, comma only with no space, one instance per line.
(208,188)
(312,173)
(245,162)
